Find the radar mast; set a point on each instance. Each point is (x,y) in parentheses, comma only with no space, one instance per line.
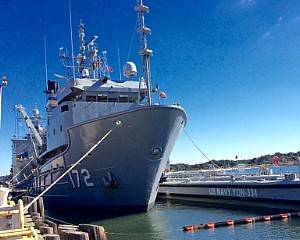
(145,52)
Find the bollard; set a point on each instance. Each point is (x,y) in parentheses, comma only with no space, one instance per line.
(95,232)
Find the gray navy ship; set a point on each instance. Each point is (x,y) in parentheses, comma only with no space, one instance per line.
(125,169)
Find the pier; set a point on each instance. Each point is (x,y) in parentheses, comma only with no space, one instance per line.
(16,222)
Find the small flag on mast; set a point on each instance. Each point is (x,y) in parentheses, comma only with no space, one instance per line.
(162,94)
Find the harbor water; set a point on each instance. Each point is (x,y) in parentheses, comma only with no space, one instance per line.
(166,219)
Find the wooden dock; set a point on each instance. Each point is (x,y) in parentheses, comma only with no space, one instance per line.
(15,223)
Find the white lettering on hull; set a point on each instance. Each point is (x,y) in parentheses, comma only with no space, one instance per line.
(233,192)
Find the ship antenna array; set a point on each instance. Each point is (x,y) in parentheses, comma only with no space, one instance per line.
(71,38)
(145,52)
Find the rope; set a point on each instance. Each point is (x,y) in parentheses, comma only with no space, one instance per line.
(23,180)
(21,194)
(132,38)
(192,141)
(58,220)
(118,123)
(20,171)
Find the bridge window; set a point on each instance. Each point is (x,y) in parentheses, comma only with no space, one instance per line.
(123,98)
(91,98)
(102,98)
(112,99)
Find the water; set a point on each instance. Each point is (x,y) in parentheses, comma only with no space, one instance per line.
(167,218)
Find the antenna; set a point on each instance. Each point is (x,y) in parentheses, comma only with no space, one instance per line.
(3,83)
(46,65)
(71,38)
(145,52)
(120,77)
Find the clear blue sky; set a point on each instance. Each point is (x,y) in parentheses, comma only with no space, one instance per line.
(233,65)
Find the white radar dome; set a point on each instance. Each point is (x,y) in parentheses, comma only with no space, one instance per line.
(129,69)
(85,73)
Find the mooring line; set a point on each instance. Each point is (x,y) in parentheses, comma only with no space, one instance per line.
(10,181)
(118,123)
(58,220)
(193,142)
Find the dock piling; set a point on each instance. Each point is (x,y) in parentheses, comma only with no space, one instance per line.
(95,232)
(51,237)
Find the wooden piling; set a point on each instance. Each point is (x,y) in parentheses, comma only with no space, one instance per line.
(73,235)
(95,232)
(51,237)
(34,206)
(40,208)
(46,230)
(53,225)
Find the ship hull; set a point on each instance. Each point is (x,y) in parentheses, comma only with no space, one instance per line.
(275,194)
(124,170)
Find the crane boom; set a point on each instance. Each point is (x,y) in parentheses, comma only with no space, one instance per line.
(29,124)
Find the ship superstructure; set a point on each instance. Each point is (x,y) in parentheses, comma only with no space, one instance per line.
(124,171)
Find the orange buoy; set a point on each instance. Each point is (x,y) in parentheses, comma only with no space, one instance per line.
(249,220)
(188,228)
(210,225)
(266,218)
(284,216)
(230,222)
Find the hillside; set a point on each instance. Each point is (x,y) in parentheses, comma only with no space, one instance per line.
(285,159)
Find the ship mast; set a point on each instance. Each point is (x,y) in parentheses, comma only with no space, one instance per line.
(3,83)
(81,58)
(145,52)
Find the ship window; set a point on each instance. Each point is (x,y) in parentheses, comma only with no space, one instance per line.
(60,128)
(64,108)
(91,98)
(123,98)
(54,132)
(102,98)
(112,99)
(133,99)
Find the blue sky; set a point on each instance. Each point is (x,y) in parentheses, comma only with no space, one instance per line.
(234,65)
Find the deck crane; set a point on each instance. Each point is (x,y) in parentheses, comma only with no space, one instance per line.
(36,138)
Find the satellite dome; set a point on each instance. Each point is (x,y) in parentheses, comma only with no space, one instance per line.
(85,73)
(129,69)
